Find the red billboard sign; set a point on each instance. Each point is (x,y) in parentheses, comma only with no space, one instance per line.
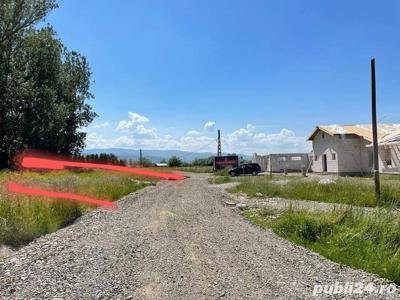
(228,161)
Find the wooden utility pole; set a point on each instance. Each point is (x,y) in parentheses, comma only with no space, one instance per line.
(375,133)
(141,158)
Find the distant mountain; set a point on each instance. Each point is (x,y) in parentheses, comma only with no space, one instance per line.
(154,155)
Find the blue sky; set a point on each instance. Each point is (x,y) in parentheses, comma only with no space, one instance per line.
(265,72)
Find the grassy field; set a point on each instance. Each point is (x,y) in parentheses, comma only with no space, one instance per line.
(196,169)
(192,169)
(348,190)
(365,241)
(23,218)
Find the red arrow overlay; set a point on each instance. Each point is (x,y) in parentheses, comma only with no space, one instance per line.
(42,163)
(50,164)
(14,187)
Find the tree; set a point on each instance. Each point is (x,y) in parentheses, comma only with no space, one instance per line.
(203,161)
(43,86)
(174,161)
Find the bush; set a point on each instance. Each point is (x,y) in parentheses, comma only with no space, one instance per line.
(175,161)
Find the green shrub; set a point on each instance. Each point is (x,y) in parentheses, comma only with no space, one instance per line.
(175,161)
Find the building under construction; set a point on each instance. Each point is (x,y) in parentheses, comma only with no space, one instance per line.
(281,162)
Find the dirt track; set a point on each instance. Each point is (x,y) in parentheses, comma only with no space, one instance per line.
(176,240)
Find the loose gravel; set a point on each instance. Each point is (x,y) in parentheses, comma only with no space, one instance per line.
(176,240)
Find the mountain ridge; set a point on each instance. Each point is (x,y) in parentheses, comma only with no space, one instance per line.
(154,155)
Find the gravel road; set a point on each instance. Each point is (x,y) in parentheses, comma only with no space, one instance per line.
(175,240)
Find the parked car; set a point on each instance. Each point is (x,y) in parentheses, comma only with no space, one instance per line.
(245,169)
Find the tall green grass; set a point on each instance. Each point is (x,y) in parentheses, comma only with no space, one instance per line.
(196,169)
(365,241)
(23,218)
(354,191)
(219,179)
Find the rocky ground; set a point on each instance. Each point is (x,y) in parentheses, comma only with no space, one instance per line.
(176,240)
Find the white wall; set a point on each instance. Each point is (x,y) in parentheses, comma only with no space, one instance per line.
(352,155)
(288,161)
(395,153)
(262,160)
(355,156)
(324,144)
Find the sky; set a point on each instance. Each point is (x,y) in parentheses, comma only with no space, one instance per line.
(168,74)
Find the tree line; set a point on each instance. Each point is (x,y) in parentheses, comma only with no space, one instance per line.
(44,87)
(102,158)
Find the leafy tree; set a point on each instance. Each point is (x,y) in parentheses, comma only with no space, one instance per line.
(203,161)
(43,86)
(174,161)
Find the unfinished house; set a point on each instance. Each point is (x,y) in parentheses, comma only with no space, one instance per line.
(389,153)
(347,149)
(279,162)
(262,160)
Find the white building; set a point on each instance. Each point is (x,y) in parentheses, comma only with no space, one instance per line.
(347,149)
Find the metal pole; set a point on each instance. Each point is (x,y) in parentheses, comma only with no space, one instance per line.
(375,133)
(141,158)
(219,151)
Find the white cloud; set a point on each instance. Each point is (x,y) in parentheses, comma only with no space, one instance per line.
(209,126)
(145,132)
(102,125)
(134,119)
(245,140)
(249,140)
(95,140)
(193,132)
(135,127)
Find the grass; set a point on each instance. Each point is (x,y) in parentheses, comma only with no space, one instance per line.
(23,217)
(192,169)
(196,169)
(347,190)
(219,179)
(365,241)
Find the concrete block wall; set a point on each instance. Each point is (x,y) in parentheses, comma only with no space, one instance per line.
(288,161)
(324,143)
(262,160)
(346,154)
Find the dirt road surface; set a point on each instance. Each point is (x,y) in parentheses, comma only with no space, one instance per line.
(176,240)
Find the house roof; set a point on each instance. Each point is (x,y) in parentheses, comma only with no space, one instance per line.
(393,138)
(362,130)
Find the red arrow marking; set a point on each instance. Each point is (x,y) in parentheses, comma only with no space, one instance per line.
(42,163)
(14,187)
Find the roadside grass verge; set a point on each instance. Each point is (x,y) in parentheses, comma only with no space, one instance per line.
(196,169)
(192,169)
(219,179)
(345,190)
(23,217)
(368,241)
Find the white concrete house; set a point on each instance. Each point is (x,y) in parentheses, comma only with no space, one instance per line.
(347,150)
